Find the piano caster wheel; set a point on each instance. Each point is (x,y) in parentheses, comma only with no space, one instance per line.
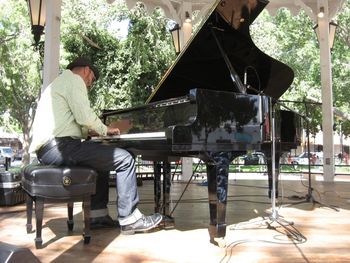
(70,224)
(168,222)
(220,242)
(38,242)
(29,228)
(87,239)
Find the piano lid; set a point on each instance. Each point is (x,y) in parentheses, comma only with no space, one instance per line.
(222,51)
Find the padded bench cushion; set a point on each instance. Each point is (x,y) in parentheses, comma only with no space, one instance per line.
(59,182)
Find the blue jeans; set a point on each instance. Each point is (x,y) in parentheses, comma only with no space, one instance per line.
(103,159)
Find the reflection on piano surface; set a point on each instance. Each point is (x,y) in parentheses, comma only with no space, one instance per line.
(213,103)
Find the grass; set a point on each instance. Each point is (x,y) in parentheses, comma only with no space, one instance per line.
(285,168)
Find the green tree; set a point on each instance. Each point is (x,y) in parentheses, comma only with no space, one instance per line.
(341,65)
(19,68)
(130,67)
(281,37)
(150,53)
(291,39)
(85,33)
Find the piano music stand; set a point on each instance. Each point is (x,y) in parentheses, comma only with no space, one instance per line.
(274,217)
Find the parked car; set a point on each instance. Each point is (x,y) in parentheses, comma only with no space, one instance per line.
(254,158)
(2,160)
(315,158)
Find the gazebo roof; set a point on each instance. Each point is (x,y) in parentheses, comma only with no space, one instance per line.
(175,9)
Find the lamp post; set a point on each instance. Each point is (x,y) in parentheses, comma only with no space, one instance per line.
(37,11)
(187,17)
(175,34)
(332,29)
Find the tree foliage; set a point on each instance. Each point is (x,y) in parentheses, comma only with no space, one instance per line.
(291,39)
(19,68)
(130,67)
(150,54)
(341,65)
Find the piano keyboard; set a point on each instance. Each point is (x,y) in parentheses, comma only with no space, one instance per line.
(133,136)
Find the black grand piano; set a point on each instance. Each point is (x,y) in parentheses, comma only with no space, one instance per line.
(214,103)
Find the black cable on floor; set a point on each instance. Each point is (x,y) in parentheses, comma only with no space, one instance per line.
(183,192)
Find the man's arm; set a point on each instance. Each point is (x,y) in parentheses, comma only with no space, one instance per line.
(110,131)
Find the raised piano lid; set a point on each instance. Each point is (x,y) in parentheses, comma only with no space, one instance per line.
(202,65)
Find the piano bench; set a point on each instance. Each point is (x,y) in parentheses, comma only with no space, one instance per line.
(56,184)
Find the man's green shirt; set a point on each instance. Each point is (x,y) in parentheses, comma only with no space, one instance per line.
(64,110)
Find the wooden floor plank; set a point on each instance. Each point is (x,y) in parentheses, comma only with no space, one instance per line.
(309,232)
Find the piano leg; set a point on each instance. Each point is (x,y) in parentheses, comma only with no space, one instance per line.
(166,187)
(268,156)
(168,221)
(217,174)
(157,166)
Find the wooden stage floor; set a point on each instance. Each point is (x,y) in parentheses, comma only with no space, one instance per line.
(304,232)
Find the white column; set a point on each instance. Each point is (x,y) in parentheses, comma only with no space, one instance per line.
(327,96)
(52,41)
(186,33)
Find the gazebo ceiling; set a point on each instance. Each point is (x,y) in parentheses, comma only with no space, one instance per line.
(175,9)
(308,5)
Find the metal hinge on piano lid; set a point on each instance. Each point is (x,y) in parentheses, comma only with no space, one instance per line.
(169,102)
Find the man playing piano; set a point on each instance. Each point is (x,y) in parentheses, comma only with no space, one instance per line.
(63,118)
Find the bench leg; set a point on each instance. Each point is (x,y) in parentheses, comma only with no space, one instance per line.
(70,221)
(29,206)
(39,213)
(86,211)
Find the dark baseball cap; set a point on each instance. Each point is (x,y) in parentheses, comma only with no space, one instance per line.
(83,62)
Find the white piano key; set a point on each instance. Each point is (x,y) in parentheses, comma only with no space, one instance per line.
(132,136)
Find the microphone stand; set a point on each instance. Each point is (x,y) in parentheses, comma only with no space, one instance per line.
(308,197)
(274,217)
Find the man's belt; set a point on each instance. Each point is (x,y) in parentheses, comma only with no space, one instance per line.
(50,144)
